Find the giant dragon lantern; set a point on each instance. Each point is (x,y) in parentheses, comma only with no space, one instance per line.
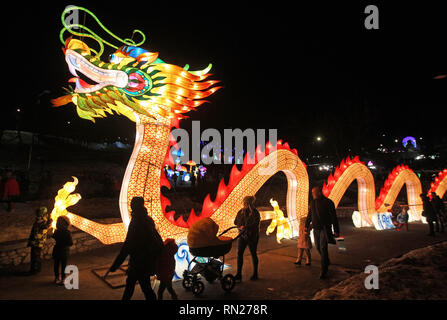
(136,83)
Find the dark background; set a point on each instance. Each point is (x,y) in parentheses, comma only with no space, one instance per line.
(306,70)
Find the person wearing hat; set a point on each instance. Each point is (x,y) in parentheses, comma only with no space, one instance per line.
(38,237)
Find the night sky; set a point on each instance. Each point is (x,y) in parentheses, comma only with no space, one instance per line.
(305,70)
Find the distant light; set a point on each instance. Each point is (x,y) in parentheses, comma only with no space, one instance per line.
(381,145)
(325,167)
(18,110)
(395,140)
(383,135)
(441,76)
(420,157)
(68,122)
(420,138)
(318,138)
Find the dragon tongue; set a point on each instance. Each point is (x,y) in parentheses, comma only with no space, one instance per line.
(80,83)
(84,84)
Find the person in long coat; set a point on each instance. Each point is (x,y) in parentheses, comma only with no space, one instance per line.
(322,217)
(143,244)
(439,207)
(430,214)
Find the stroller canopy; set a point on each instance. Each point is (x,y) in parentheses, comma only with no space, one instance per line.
(203,233)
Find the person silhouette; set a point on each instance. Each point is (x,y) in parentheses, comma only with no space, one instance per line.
(143,244)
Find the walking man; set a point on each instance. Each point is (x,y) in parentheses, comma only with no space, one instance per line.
(430,214)
(321,218)
(143,244)
(439,207)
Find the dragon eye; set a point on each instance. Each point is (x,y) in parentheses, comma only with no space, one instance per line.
(115,59)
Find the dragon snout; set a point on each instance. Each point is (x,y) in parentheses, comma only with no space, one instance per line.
(77,63)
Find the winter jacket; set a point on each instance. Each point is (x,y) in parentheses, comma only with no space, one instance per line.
(63,243)
(250,220)
(322,215)
(438,205)
(166,261)
(11,188)
(428,211)
(304,241)
(38,235)
(143,244)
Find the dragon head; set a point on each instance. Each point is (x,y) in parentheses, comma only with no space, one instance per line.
(133,81)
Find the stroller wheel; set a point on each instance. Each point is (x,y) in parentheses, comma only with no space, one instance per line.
(197,287)
(187,282)
(228,282)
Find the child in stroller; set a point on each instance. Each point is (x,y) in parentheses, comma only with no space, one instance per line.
(207,247)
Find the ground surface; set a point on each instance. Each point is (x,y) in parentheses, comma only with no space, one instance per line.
(418,274)
(279,277)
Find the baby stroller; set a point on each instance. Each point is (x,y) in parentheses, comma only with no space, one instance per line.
(206,257)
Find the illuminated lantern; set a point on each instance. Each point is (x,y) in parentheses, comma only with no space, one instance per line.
(400,176)
(371,211)
(348,171)
(382,221)
(63,200)
(280,223)
(153,94)
(410,139)
(440,185)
